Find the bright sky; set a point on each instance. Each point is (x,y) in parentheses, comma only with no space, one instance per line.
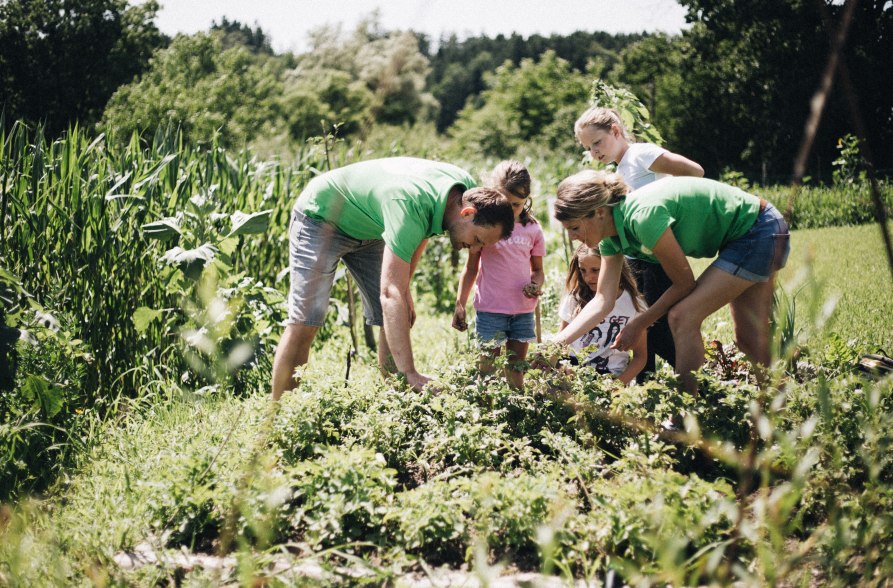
(287,22)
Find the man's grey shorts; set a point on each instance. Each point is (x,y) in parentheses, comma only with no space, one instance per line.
(314,250)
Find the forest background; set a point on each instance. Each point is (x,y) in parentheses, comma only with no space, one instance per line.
(732,91)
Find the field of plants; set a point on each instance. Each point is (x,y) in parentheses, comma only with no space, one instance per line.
(141,293)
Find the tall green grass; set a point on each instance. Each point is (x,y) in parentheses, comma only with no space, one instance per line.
(70,221)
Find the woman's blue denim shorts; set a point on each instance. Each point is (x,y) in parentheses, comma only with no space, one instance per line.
(495,328)
(761,251)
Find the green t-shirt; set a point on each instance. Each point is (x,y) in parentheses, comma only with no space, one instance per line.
(400,200)
(703,214)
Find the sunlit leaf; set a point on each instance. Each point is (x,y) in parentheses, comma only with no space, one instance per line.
(143,317)
(163,230)
(247,224)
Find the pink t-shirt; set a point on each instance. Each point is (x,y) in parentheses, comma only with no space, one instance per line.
(505,270)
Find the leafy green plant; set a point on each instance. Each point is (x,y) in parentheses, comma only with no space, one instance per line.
(42,408)
(850,165)
(735,178)
(342,496)
(632,112)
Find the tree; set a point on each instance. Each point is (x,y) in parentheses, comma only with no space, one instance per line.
(329,96)
(370,76)
(235,34)
(62,59)
(458,66)
(751,69)
(652,70)
(207,92)
(521,105)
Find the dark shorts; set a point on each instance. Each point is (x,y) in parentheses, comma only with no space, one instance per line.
(761,251)
(315,247)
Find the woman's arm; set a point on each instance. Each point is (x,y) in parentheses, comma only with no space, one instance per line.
(676,165)
(677,268)
(637,362)
(466,281)
(601,304)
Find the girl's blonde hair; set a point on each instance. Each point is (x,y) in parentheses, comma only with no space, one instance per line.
(581,291)
(513,177)
(580,194)
(602,119)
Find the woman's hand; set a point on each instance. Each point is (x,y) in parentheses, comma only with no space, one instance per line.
(629,335)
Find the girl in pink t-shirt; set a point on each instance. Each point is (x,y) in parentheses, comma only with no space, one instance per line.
(509,277)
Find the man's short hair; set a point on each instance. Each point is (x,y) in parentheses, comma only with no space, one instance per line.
(493,209)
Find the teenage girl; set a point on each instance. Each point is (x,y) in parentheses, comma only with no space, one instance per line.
(580,288)
(602,133)
(509,279)
(664,223)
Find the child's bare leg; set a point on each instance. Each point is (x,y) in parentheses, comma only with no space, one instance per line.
(516,351)
(715,288)
(486,363)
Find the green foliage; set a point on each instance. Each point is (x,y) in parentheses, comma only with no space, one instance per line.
(735,178)
(652,69)
(341,497)
(632,112)
(519,107)
(325,96)
(235,33)
(211,94)
(42,408)
(810,207)
(747,84)
(459,66)
(851,164)
(368,77)
(62,59)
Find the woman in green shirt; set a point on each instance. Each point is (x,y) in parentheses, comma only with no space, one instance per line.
(663,223)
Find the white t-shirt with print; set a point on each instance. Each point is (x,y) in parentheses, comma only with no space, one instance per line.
(603,358)
(635,164)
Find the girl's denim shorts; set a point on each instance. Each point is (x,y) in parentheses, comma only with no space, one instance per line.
(761,251)
(495,328)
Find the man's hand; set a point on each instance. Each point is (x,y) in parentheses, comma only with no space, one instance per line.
(459,322)
(417,380)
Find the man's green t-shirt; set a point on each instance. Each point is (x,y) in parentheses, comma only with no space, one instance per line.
(703,214)
(400,200)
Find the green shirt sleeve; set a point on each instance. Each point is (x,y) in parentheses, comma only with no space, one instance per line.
(609,246)
(649,223)
(405,226)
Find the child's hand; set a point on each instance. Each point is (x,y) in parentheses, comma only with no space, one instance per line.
(459,322)
(539,361)
(532,290)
